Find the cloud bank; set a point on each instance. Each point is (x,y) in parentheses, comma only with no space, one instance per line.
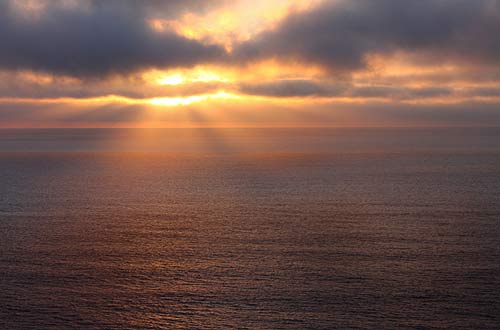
(95,38)
(341,35)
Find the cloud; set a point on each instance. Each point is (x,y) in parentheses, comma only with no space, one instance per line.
(95,38)
(483,92)
(341,35)
(313,88)
(26,85)
(400,93)
(292,88)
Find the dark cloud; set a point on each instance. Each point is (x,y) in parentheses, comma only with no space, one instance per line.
(399,93)
(96,38)
(102,37)
(341,34)
(482,92)
(292,88)
(157,8)
(302,88)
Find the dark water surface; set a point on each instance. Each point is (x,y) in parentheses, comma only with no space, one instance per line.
(250,229)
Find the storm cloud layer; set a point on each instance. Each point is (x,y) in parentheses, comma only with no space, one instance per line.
(340,35)
(94,38)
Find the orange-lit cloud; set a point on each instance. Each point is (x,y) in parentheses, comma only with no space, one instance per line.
(235,22)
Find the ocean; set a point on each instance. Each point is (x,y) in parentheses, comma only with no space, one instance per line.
(271,228)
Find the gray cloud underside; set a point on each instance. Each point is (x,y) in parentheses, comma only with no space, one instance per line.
(112,36)
(311,88)
(107,37)
(158,8)
(339,35)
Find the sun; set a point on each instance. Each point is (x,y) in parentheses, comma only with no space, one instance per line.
(173,79)
(180,77)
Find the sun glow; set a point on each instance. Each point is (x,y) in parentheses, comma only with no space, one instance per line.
(174,79)
(179,77)
(260,71)
(233,23)
(180,101)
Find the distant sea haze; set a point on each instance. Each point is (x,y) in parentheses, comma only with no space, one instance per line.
(301,228)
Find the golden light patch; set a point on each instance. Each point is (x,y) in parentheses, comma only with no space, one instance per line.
(181,101)
(174,79)
(260,71)
(400,66)
(158,25)
(179,77)
(237,22)
(40,78)
(31,8)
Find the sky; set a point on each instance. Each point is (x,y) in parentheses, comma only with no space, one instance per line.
(197,63)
